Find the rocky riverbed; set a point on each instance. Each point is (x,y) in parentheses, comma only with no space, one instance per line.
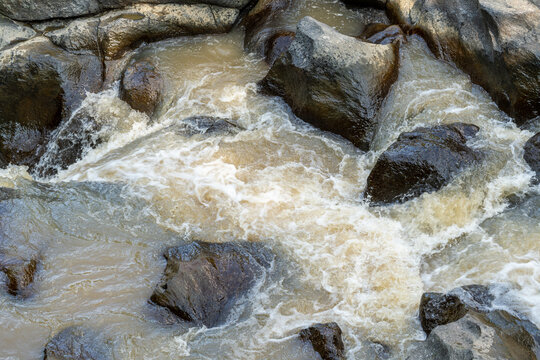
(236,179)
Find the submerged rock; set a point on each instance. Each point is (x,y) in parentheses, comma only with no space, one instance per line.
(205,125)
(141,86)
(78,343)
(382,34)
(334,81)
(532,154)
(203,282)
(41,86)
(495,41)
(19,274)
(423,160)
(326,340)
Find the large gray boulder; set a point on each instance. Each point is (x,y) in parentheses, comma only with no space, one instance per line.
(112,34)
(497,42)
(41,86)
(334,81)
(31,10)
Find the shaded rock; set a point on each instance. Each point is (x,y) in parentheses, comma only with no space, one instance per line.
(380,4)
(12,32)
(277,45)
(19,274)
(29,10)
(79,343)
(326,340)
(112,34)
(532,154)
(439,309)
(382,34)
(203,282)
(423,160)
(495,41)
(141,86)
(41,86)
(334,81)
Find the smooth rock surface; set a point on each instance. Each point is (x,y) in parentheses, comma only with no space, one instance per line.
(423,160)
(77,343)
(334,81)
(12,32)
(141,86)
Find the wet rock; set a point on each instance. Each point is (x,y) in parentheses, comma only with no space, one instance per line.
(203,282)
(41,86)
(277,45)
(141,86)
(29,10)
(493,335)
(205,125)
(495,41)
(532,154)
(19,274)
(439,309)
(326,340)
(112,34)
(423,160)
(334,81)
(380,4)
(12,32)
(382,34)
(79,343)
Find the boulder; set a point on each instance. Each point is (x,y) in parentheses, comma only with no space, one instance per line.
(77,342)
(532,154)
(41,86)
(497,42)
(420,161)
(203,282)
(383,34)
(30,10)
(141,86)
(334,81)
(325,339)
(12,32)
(110,35)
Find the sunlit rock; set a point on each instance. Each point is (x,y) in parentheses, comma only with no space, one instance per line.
(334,81)
(12,32)
(203,282)
(420,161)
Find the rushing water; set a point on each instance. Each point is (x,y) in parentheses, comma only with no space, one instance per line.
(106,220)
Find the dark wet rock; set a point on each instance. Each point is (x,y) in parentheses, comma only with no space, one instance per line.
(439,309)
(263,23)
(382,34)
(19,274)
(532,154)
(12,32)
(41,86)
(326,340)
(277,45)
(141,86)
(334,81)
(495,41)
(380,4)
(423,160)
(30,10)
(77,343)
(206,125)
(493,335)
(112,34)
(203,282)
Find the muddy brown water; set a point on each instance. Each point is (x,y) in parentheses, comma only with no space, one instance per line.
(279,181)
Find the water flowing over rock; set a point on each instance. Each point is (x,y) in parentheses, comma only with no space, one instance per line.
(203,282)
(29,10)
(382,34)
(77,342)
(326,340)
(19,273)
(41,86)
(532,154)
(141,87)
(495,42)
(110,35)
(334,81)
(423,160)
(277,45)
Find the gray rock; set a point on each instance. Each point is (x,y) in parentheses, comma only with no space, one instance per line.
(41,86)
(12,32)
(77,343)
(30,10)
(334,81)
(112,34)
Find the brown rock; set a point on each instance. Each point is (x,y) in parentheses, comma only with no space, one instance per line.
(141,86)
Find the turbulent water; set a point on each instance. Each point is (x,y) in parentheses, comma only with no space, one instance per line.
(278,181)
